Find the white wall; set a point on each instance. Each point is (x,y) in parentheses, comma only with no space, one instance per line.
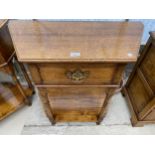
(149,25)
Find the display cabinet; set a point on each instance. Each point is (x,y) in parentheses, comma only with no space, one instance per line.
(16,89)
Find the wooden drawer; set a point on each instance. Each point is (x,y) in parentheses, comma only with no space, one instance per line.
(76,103)
(76,73)
(148,67)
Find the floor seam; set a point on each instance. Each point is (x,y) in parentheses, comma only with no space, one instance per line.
(75,125)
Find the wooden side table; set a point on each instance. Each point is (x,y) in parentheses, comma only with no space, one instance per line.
(13,93)
(76,66)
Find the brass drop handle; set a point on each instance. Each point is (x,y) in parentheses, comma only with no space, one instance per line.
(77,75)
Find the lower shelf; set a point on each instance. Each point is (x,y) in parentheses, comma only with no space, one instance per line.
(11,99)
(76,103)
(75,118)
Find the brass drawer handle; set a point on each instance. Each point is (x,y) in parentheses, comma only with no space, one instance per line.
(77,75)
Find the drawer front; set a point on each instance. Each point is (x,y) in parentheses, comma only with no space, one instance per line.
(138,92)
(71,73)
(148,67)
(75,103)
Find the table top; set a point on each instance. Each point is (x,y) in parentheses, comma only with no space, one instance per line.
(44,41)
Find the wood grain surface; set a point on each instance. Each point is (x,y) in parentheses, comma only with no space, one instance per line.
(140,87)
(60,53)
(101,74)
(76,41)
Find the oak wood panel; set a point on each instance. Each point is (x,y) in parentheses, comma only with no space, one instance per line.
(140,87)
(61,41)
(44,97)
(75,102)
(148,67)
(76,118)
(134,117)
(150,116)
(11,99)
(145,82)
(148,109)
(35,73)
(97,73)
(138,93)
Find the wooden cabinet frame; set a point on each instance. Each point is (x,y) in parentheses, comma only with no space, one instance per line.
(140,118)
(13,95)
